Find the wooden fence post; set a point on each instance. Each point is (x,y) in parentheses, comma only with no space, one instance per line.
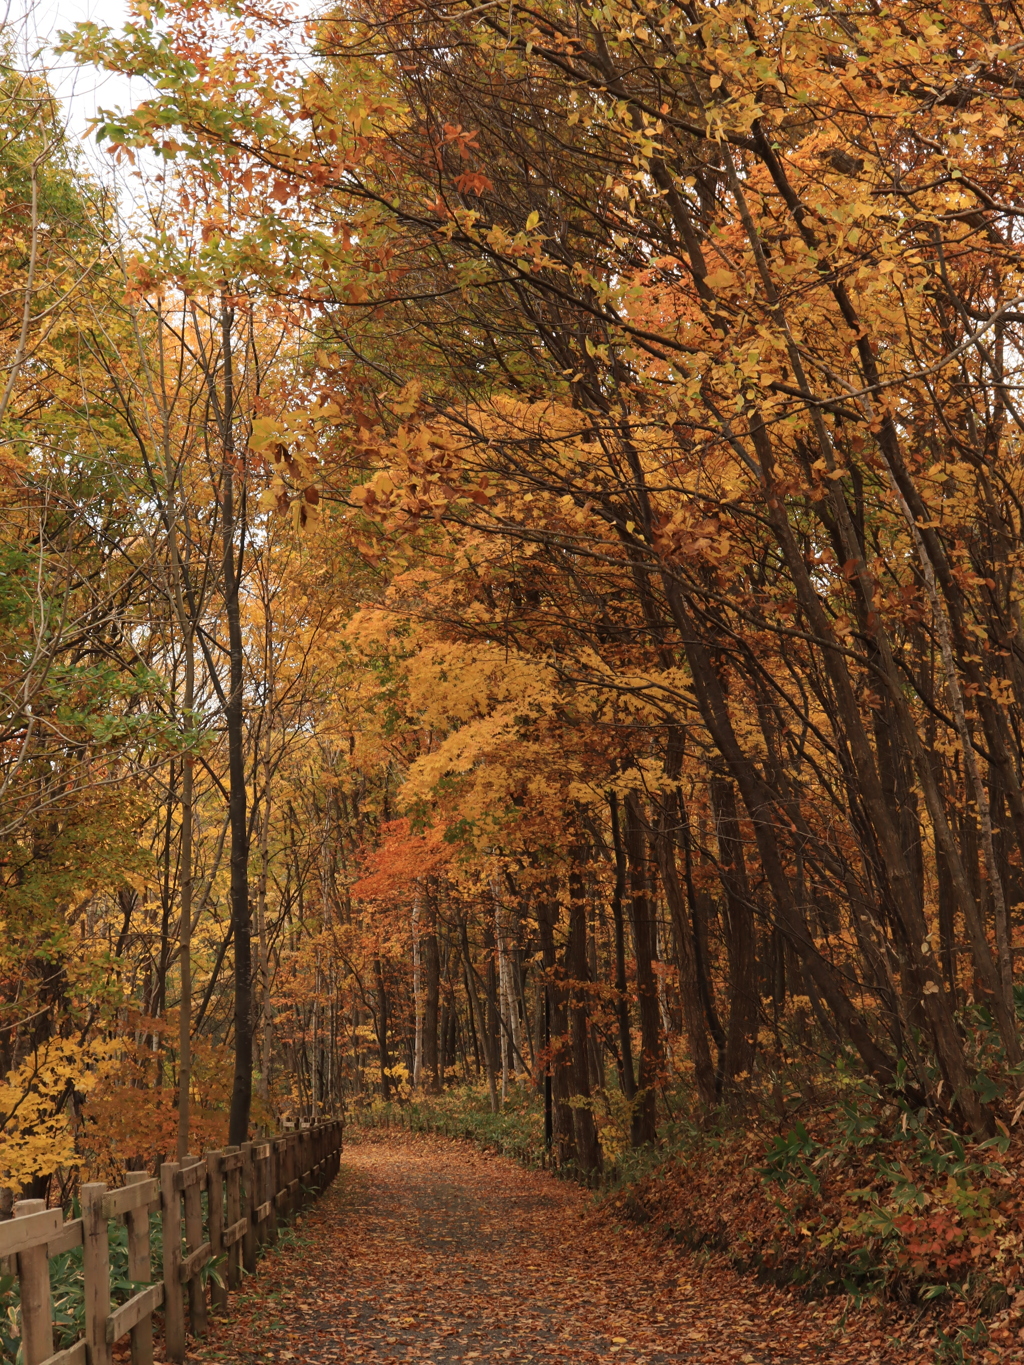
(36,1303)
(215,1210)
(140,1269)
(293,1174)
(283,1176)
(96,1266)
(261,1192)
(194,1240)
(281,1153)
(279,1174)
(249,1203)
(234,1216)
(174,1299)
(270,1190)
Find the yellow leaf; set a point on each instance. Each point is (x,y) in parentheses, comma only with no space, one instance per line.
(720,279)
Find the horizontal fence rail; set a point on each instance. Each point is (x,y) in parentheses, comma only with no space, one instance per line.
(249,1191)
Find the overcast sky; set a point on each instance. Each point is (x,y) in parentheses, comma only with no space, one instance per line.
(83,90)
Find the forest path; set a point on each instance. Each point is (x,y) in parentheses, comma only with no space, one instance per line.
(427,1250)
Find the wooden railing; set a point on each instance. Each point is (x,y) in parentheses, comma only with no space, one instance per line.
(249,1189)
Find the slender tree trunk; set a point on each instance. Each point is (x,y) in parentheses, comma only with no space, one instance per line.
(417,999)
(504,1010)
(184,607)
(627,1073)
(382,1029)
(588,1148)
(265,1010)
(741,1040)
(557,1039)
(495,1038)
(185,935)
(689,990)
(241,916)
(644,1127)
(432,985)
(480,1023)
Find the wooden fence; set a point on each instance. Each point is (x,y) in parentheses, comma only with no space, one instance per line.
(249,1190)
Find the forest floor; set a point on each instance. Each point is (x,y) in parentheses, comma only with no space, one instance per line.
(425,1250)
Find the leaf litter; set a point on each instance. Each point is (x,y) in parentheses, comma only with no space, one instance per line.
(427,1250)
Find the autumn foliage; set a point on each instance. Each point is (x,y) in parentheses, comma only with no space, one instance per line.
(512,578)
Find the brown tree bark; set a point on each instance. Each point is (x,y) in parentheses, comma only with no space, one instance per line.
(689,989)
(588,1147)
(381,1024)
(559,1046)
(644,1126)
(740,938)
(627,1071)
(431,1003)
(234,719)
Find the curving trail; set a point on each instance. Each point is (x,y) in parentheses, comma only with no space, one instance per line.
(428,1251)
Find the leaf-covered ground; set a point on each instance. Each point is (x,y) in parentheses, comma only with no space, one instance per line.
(427,1250)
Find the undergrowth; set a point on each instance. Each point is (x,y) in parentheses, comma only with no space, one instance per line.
(516,1130)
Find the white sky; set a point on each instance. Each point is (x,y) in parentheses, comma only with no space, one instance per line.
(82,90)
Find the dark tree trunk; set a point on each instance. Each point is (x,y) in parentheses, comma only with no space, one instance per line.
(241,913)
(588,1148)
(644,1126)
(381,1022)
(740,937)
(480,1023)
(689,988)
(431,1006)
(627,1074)
(559,1045)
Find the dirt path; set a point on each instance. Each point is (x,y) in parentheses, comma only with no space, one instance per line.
(426,1250)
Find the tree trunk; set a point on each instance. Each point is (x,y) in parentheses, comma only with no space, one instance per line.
(480,1024)
(644,1125)
(740,941)
(627,1073)
(588,1148)
(689,990)
(432,984)
(558,1042)
(185,943)
(381,1022)
(241,915)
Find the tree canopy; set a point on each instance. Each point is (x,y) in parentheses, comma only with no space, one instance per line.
(512,573)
